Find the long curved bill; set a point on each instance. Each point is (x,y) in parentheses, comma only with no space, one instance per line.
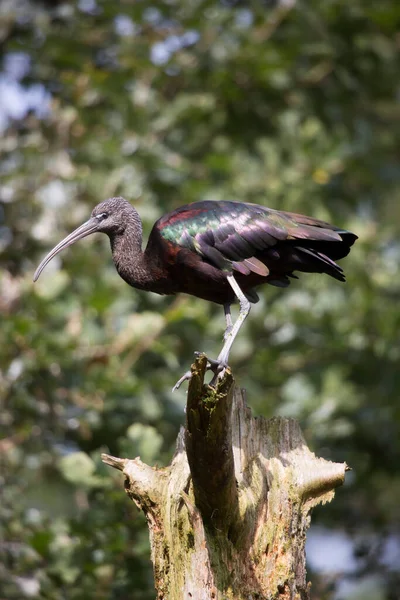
(86,229)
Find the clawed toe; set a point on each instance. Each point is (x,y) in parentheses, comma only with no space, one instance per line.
(218,367)
(184,377)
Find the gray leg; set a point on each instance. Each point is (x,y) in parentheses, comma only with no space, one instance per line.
(228,319)
(232,329)
(244,311)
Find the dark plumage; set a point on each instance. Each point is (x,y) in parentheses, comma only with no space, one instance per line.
(217,251)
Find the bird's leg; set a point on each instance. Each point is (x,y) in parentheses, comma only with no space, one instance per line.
(228,318)
(219,365)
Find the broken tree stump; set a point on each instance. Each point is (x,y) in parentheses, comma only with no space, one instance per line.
(228,517)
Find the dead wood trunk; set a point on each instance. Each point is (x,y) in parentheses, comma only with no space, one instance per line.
(228,518)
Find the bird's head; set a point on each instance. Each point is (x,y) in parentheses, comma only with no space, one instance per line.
(110,217)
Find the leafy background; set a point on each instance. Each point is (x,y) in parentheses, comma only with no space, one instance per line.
(290,104)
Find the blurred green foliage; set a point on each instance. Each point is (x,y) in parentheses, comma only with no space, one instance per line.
(289,104)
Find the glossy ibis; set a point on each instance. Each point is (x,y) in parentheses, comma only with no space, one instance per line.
(218,251)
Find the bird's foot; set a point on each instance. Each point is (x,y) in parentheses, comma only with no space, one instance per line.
(218,367)
(185,377)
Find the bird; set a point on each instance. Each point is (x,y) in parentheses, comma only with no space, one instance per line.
(220,251)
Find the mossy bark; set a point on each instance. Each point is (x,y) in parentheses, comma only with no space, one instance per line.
(228,518)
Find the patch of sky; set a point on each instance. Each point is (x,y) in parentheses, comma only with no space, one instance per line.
(330,551)
(369,587)
(124,26)
(152,15)
(15,369)
(6,236)
(16,65)
(244,18)
(16,99)
(88,6)
(161,52)
(29,586)
(53,194)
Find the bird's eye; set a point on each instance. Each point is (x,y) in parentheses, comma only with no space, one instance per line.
(102,216)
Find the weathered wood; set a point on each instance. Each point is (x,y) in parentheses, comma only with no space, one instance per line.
(228,518)
(208,444)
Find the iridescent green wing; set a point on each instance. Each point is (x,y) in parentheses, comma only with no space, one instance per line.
(234,236)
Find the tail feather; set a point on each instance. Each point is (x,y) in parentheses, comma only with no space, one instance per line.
(317,261)
(335,250)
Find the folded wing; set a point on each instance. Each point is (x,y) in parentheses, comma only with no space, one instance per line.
(248,238)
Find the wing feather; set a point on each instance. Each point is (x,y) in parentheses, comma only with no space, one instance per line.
(248,238)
